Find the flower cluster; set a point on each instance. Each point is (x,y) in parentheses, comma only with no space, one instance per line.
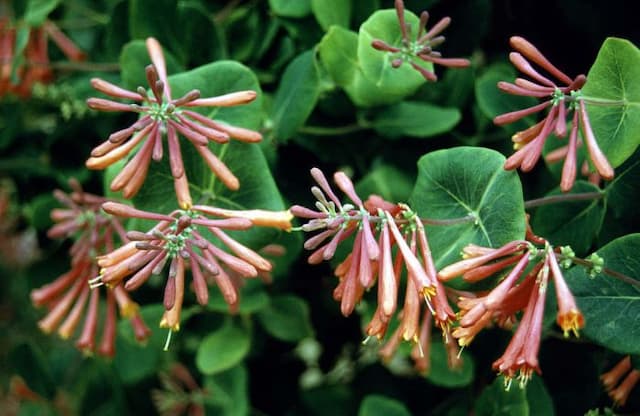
(372,261)
(180,393)
(422,47)
(619,390)
(181,239)
(563,97)
(69,296)
(160,116)
(33,66)
(527,271)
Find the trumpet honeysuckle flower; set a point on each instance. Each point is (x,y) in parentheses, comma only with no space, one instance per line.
(69,297)
(377,226)
(33,65)
(526,271)
(162,116)
(180,393)
(177,240)
(423,47)
(563,96)
(620,381)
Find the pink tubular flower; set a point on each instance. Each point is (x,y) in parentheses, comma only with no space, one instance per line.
(162,116)
(180,394)
(33,66)
(177,240)
(69,297)
(422,47)
(619,390)
(372,261)
(562,97)
(524,271)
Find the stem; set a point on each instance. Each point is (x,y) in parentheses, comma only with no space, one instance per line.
(225,12)
(555,199)
(616,275)
(85,66)
(100,18)
(331,131)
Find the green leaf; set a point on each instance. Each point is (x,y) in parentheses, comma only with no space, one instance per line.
(540,402)
(376,65)
(29,362)
(609,304)
(330,399)
(415,119)
(135,361)
(613,77)
(496,401)
(38,10)
(199,33)
(290,8)
(332,12)
(376,405)
(134,58)
(218,78)
(338,54)
(223,349)
(493,102)
(153,18)
(574,223)
(228,392)
(441,375)
(252,299)
(463,181)
(296,96)
(287,318)
(624,188)
(387,181)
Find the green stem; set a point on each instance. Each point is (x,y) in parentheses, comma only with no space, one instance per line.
(225,12)
(555,199)
(616,275)
(100,18)
(331,131)
(85,66)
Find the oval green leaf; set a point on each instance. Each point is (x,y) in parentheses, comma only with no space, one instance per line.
(376,65)
(38,10)
(229,392)
(464,181)
(574,223)
(290,8)
(223,349)
(493,102)
(613,79)
(495,400)
(415,119)
(332,12)
(338,51)
(441,375)
(376,405)
(296,96)
(287,318)
(610,305)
